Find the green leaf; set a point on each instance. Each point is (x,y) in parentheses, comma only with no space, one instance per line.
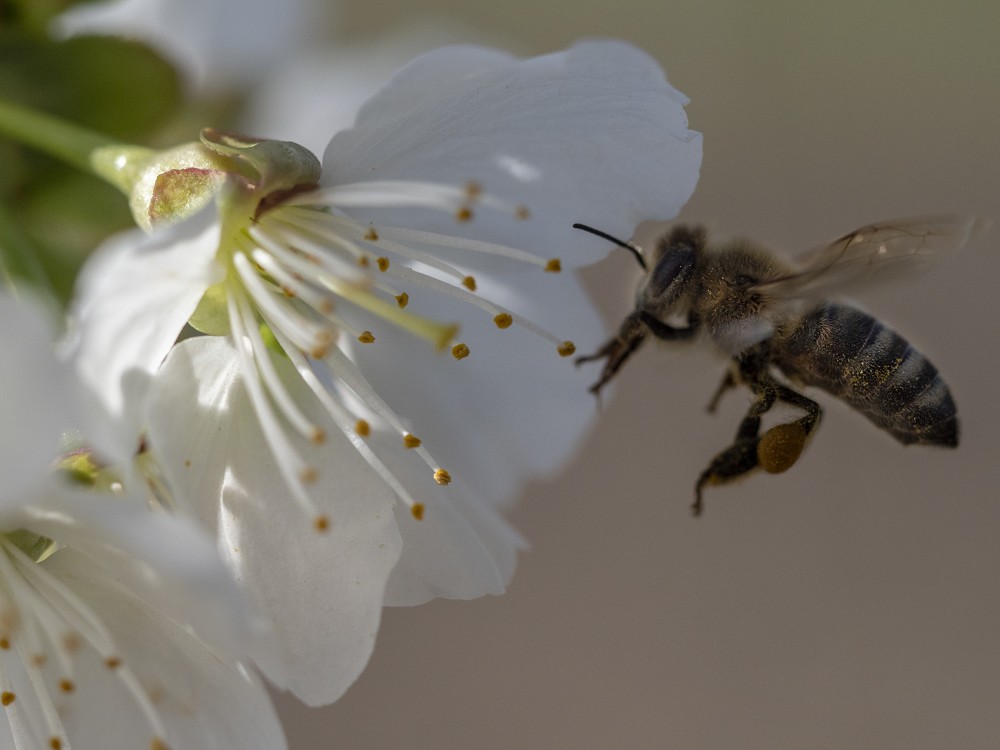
(119,87)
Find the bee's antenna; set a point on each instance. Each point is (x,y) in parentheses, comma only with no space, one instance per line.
(621,243)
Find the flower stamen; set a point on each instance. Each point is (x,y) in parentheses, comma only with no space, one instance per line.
(354,431)
(46,607)
(249,352)
(307,334)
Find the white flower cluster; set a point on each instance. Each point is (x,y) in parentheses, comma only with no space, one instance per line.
(312,395)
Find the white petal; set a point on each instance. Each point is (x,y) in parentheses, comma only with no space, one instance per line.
(35,405)
(133,297)
(594,134)
(347,75)
(204,697)
(462,549)
(170,562)
(219,43)
(323,592)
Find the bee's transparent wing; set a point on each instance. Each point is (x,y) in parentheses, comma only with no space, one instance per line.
(873,253)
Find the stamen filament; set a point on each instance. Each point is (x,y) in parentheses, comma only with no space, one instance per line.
(306,333)
(314,297)
(337,226)
(290,465)
(304,238)
(42,613)
(462,243)
(292,284)
(346,371)
(272,382)
(345,422)
(395,193)
(439,334)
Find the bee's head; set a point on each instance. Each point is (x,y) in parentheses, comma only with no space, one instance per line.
(674,261)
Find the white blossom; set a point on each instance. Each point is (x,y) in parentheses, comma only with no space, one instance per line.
(119,627)
(410,289)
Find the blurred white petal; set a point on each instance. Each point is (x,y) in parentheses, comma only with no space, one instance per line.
(218,43)
(132,298)
(37,399)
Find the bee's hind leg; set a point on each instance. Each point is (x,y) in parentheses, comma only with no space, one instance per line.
(780,447)
(742,456)
(729,382)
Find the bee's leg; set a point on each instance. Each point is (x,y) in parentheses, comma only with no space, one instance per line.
(780,447)
(666,331)
(740,457)
(630,336)
(728,381)
(616,351)
(813,412)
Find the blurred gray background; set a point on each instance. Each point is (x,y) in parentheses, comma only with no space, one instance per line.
(851,603)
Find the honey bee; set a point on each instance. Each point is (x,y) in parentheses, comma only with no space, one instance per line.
(774,322)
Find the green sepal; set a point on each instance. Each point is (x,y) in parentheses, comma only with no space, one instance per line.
(280,165)
(33,545)
(211,317)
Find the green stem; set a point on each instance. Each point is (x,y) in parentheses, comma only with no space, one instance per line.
(70,143)
(78,146)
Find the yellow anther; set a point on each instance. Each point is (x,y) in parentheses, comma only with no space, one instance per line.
(460,351)
(66,685)
(308,475)
(554,266)
(113,662)
(157,744)
(371,235)
(363,261)
(55,743)
(383,264)
(317,436)
(7,697)
(469,283)
(417,509)
(4,644)
(411,441)
(402,299)
(522,212)
(321,523)
(463,215)
(566,349)
(503,320)
(366,337)
(362,428)
(441,476)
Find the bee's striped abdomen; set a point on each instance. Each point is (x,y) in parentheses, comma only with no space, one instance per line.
(871,367)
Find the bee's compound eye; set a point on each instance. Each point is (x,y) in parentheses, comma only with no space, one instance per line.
(780,447)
